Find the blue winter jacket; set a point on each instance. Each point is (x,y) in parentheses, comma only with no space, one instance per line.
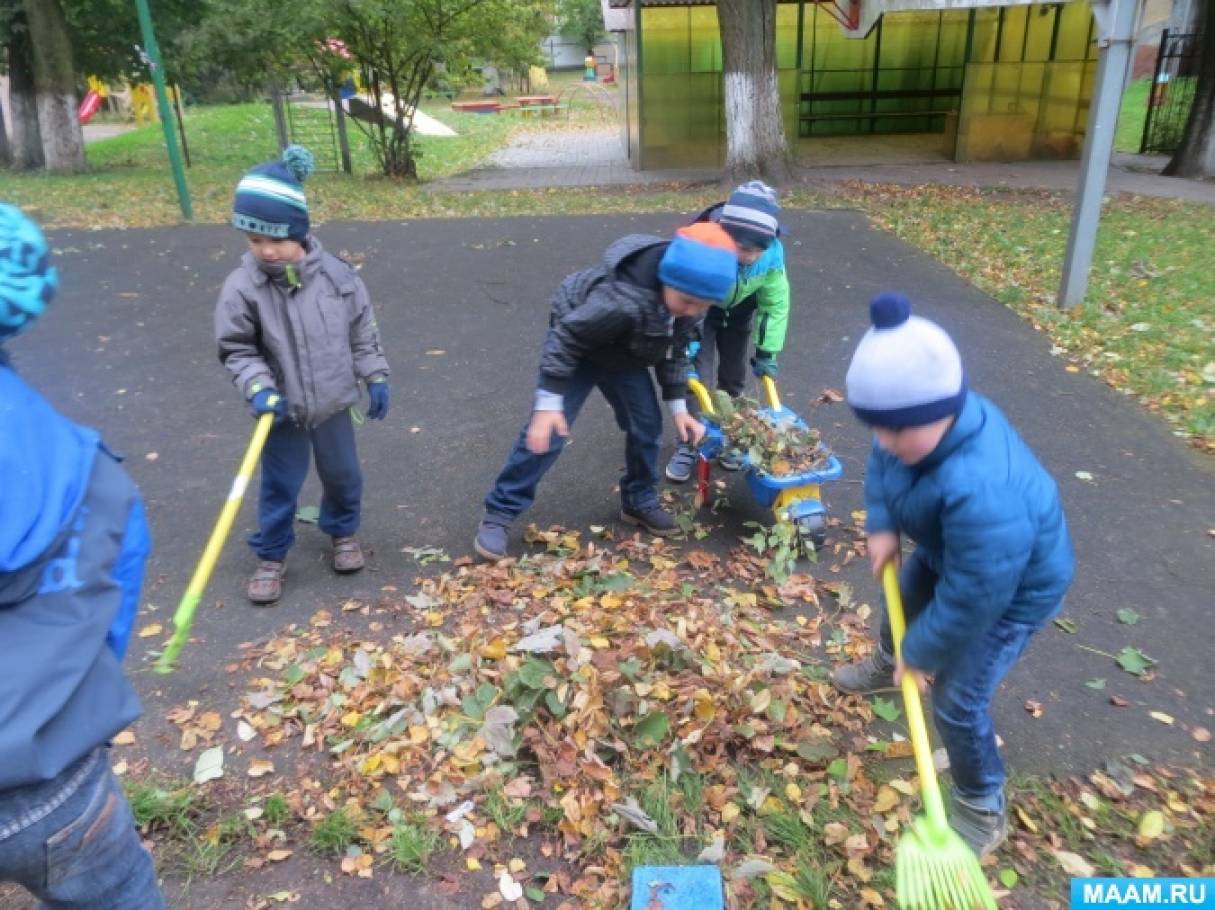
(986,516)
(73,541)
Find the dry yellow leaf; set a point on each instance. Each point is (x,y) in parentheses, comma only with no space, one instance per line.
(834,833)
(599,642)
(729,812)
(418,735)
(610,601)
(1151,825)
(793,792)
(712,652)
(1026,820)
(211,721)
(277,856)
(887,799)
(260,767)
(351,718)
(472,863)
(151,629)
(495,650)
(516,865)
(125,738)
(1161,716)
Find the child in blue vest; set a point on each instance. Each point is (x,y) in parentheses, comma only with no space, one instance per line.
(992,560)
(73,541)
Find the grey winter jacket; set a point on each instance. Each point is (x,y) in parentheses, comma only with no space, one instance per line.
(312,343)
(609,316)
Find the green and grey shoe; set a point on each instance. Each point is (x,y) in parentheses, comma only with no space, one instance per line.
(984,830)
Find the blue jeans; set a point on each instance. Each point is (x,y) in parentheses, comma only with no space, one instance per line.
(631,395)
(72,842)
(285,461)
(962,691)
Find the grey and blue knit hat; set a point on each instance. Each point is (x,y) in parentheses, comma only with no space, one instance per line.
(270,198)
(906,371)
(751,213)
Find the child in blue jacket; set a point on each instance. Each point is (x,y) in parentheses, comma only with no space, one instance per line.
(73,541)
(992,560)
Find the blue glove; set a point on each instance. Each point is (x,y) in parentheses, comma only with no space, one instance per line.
(269,401)
(377,391)
(763,364)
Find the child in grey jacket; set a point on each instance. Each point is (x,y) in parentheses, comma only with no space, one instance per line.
(296,330)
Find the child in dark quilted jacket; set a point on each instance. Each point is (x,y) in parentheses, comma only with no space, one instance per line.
(993,558)
(608,326)
(296,330)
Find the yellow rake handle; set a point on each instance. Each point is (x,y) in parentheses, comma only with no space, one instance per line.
(183,619)
(930,790)
(769,385)
(703,398)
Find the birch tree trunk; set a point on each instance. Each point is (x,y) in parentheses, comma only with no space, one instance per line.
(755,130)
(55,85)
(1195,157)
(27,140)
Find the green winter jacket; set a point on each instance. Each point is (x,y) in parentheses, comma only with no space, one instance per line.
(766,280)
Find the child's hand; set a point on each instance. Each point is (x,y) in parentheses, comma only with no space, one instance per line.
(540,430)
(901,669)
(883,546)
(688,428)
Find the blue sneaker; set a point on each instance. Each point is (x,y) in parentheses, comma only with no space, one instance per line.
(682,463)
(490,542)
(730,460)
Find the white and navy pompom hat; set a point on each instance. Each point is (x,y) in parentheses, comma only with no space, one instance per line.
(270,198)
(751,215)
(906,371)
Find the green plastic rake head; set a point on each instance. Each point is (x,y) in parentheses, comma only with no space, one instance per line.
(934,868)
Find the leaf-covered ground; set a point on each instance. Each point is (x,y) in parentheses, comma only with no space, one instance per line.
(1148,325)
(524,734)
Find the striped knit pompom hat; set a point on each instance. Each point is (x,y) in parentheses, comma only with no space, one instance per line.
(751,215)
(270,198)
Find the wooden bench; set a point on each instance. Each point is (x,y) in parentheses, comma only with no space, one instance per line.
(873,97)
(489,106)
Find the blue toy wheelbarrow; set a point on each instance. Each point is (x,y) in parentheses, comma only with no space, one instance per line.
(795,498)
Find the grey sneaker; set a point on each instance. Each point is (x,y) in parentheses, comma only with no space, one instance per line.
(874,673)
(730,460)
(654,519)
(681,465)
(982,829)
(490,542)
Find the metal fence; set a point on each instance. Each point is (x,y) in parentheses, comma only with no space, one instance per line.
(1172,92)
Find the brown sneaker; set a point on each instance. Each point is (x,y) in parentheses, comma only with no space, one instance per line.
(266,585)
(347,555)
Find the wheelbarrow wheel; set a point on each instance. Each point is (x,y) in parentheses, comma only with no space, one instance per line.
(812,531)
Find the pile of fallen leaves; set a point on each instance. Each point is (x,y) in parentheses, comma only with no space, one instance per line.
(775,446)
(574,683)
(542,726)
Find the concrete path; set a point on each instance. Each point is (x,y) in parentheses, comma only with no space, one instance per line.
(537,160)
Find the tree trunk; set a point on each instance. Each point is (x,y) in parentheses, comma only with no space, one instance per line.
(6,150)
(755,130)
(1195,157)
(55,82)
(27,140)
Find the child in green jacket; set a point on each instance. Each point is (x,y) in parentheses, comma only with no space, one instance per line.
(757,305)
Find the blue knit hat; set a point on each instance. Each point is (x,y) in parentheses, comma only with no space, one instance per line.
(270,198)
(702,261)
(751,213)
(906,371)
(28,281)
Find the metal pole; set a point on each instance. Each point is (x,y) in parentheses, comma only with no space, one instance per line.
(1152,89)
(152,53)
(181,125)
(1116,19)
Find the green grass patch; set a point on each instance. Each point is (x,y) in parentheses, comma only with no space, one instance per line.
(276,811)
(1147,324)
(412,845)
(1131,116)
(161,809)
(335,832)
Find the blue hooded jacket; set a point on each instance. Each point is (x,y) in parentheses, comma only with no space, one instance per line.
(73,541)
(987,517)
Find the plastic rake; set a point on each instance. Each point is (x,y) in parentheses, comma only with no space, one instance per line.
(934,868)
(183,619)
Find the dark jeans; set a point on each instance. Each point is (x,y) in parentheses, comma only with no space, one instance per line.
(631,395)
(962,692)
(72,842)
(285,464)
(725,337)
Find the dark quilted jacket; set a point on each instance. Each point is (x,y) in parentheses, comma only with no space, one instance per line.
(608,316)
